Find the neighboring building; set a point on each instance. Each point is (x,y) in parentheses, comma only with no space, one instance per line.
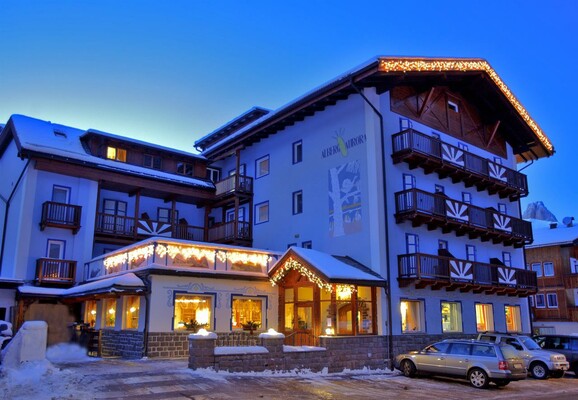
(404,169)
(554,257)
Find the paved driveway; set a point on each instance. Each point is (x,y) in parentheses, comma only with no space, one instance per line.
(156,379)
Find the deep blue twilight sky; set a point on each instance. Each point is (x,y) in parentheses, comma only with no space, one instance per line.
(171,71)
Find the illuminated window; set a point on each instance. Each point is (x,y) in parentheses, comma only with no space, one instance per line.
(451,316)
(248,311)
(484,317)
(513,319)
(412,316)
(131,312)
(109,311)
(365,310)
(289,308)
(90,313)
(262,212)
(262,167)
(114,153)
(192,312)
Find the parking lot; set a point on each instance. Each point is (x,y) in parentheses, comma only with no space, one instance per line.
(171,379)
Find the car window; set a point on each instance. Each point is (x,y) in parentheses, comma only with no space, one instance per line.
(460,348)
(483,350)
(438,348)
(487,338)
(514,343)
(529,343)
(509,352)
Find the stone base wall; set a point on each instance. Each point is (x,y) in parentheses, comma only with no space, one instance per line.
(125,344)
(339,353)
(175,344)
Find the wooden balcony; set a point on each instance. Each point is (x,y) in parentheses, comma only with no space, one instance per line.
(436,210)
(233,232)
(433,155)
(571,281)
(573,313)
(60,215)
(240,185)
(437,272)
(55,272)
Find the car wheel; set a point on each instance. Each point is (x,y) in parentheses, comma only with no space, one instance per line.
(407,368)
(502,383)
(478,378)
(557,374)
(539,370)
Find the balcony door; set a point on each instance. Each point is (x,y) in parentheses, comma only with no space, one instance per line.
(54,267)
(60,194)
(114,219)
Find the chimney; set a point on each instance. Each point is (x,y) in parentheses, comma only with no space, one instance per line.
(553,225)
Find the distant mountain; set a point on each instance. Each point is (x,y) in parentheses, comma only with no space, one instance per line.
(538,210)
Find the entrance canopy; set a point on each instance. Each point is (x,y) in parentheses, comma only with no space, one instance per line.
(324,270)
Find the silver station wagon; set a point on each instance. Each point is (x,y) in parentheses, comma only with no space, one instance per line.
(478,362)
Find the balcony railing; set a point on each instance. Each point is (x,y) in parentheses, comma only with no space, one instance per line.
(230,232)
(60,215)
(234,184)
(452,273)
(433,155)
(437,210)
(55,271)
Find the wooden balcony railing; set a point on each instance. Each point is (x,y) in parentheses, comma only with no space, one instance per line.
(234,184)
(229,232)
(571,281)
(452,273)
(55,271)
(60,215)
(433,155)
(438,210)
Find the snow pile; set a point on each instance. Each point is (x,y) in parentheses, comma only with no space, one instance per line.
(68,352)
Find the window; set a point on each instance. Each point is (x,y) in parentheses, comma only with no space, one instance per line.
(184,168)
(240,215)
(453,106)
(151,161)
(90,313)
(537,268)
(502,209)
(404,123)
(411,243)
(442,244)
(548,269)
(164,215)
(298,202)
(291,245)
(532,302)
(213,174)
(192,312)
(470,252)
(540,303)
(365,296)
(109,310)
(439,189)
(297,152)
(451,316)
(3,314)
(115,153)
(242,169)
(307,245)
(131,312)
(463,146)
(247,310)
(513,319)
(408,181)
(467,197)
(261,212)
(262,167)
(507,258)
(113,219)
(60,194)
(484,317)
(573,265)
(552,300)
(412,316)
(55,249)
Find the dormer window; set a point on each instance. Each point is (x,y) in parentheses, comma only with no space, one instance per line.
(60,134)
(185,169)
(151,161)
(115,153)
(453,106)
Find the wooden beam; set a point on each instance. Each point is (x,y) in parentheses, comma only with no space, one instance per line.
(426,102)
(493,134)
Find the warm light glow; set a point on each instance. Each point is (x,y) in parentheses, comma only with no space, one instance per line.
(343,292)
(293,264)
(202,316)
(93,312)
(329,331)
(187,300)
(138,253)
(416,64)
(132,309)
(203,332)
(272,331)
(111,310)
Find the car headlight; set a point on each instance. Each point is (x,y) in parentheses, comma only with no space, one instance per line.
(558,357)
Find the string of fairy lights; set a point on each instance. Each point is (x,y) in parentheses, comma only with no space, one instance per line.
(412,64)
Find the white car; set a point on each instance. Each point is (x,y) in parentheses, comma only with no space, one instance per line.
(540,363)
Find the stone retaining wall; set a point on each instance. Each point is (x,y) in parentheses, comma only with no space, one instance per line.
(125,344)
(338,353)
(175,344)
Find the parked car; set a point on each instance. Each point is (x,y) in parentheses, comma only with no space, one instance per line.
(540,363)
(564,344)
(478,362)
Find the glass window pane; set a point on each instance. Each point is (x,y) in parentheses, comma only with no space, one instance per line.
(131,313)
(513,319)
(247,312)
(289,295)
(193,312)
(412,318)
(90,313)
(289,316)
(327,318)
(344,314)
(484,317)
(109,310)
(305,293)
(451,317)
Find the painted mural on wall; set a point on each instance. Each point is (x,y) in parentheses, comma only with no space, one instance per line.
(344,199)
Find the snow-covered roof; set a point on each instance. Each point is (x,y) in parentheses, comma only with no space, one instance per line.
(337,269)
(544,235)
(119,283)
(65,142)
